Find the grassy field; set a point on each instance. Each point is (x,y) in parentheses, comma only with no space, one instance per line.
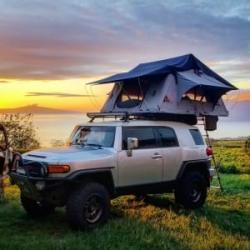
(223,223)
(232,156)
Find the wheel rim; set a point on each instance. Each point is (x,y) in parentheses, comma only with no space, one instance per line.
(196,191)
(93,209)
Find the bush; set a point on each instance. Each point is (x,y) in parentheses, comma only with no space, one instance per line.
(21,131)
(229,169)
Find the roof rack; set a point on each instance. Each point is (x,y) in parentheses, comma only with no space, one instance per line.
(126,116)
(122,115)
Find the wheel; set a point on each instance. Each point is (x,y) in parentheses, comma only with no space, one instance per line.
(191,191)
(36,208)
(88,206)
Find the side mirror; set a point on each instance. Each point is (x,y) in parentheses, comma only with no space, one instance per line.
(132,143)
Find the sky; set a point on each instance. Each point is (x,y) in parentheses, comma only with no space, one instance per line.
(50,49)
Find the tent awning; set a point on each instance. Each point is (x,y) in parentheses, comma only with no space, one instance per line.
(165,67)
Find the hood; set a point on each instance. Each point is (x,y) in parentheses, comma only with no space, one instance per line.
(68,154)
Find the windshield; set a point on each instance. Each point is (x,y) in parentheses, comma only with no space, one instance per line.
(93,136)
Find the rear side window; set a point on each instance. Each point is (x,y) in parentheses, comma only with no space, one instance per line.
(167,137)
(198,140)
(145,135)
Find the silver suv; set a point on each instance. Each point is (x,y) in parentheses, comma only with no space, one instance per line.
(109,159)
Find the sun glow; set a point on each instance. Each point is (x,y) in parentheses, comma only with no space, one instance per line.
(15,93)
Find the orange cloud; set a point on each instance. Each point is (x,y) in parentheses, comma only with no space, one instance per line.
(238,95)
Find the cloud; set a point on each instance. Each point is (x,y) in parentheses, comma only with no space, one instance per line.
(56,94)
(4,81)
(237,70)
(76,39)
(238,95)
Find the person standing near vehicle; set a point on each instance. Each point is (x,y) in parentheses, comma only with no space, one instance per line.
(3,155)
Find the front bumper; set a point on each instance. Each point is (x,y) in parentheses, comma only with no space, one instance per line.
(39,188)
(32,178)
(26,185)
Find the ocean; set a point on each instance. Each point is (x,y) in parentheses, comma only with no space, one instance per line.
(54,129)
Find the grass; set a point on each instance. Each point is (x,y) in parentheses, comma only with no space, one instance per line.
(223,223)
(232,156)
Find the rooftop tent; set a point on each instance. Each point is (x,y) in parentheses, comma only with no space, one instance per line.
(176,86)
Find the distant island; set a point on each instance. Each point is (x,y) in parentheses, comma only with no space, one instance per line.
(36,109)
(238,110)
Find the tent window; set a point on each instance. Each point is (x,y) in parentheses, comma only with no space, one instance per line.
(131,95)
(194,95)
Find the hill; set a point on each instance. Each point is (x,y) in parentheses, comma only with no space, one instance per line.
(36,109)
(238,110)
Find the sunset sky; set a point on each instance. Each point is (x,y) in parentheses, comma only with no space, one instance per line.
(49,49)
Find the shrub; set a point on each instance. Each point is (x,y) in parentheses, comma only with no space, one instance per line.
(229,169)
(21,131)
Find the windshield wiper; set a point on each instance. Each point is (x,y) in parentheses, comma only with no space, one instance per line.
(92,145)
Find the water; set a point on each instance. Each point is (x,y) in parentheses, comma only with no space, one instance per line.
(56,128)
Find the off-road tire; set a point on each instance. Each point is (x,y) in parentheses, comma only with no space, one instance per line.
(79,207)
(191,190)
(36,209)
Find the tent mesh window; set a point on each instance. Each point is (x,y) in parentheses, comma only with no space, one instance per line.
(132,94)
(195,94)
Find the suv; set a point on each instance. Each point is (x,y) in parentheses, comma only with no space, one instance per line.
(113,158)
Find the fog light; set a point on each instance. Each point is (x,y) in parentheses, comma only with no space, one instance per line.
(40,185)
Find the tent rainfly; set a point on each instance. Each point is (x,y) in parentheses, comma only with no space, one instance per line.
(177,87)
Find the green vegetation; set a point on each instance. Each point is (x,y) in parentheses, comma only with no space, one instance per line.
(223,223)
(21,131)
(232,156)
(158,223)
(21,135)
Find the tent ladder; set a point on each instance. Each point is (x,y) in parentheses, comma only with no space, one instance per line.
(214,161)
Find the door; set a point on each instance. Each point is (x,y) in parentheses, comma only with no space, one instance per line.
(171,152)
(145,165)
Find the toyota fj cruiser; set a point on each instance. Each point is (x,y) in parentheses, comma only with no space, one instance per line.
(112,158)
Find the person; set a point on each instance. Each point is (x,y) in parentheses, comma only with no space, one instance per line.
(83,135)
(2,165)
(2,161)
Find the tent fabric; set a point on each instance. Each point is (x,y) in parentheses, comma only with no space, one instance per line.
(165,67)
(188,80)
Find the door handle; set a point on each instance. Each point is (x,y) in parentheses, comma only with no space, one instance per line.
(157,156)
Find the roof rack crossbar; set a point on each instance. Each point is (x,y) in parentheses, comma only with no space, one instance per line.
(122,115)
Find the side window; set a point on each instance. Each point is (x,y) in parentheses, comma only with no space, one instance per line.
(145,135)
(198,140)
(167,137)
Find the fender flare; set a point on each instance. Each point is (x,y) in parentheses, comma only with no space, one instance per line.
(101,175)
(198,165)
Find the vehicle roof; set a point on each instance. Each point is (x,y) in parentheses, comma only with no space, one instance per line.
(139,123)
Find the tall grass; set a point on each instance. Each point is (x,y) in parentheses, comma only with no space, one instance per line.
(232,156)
